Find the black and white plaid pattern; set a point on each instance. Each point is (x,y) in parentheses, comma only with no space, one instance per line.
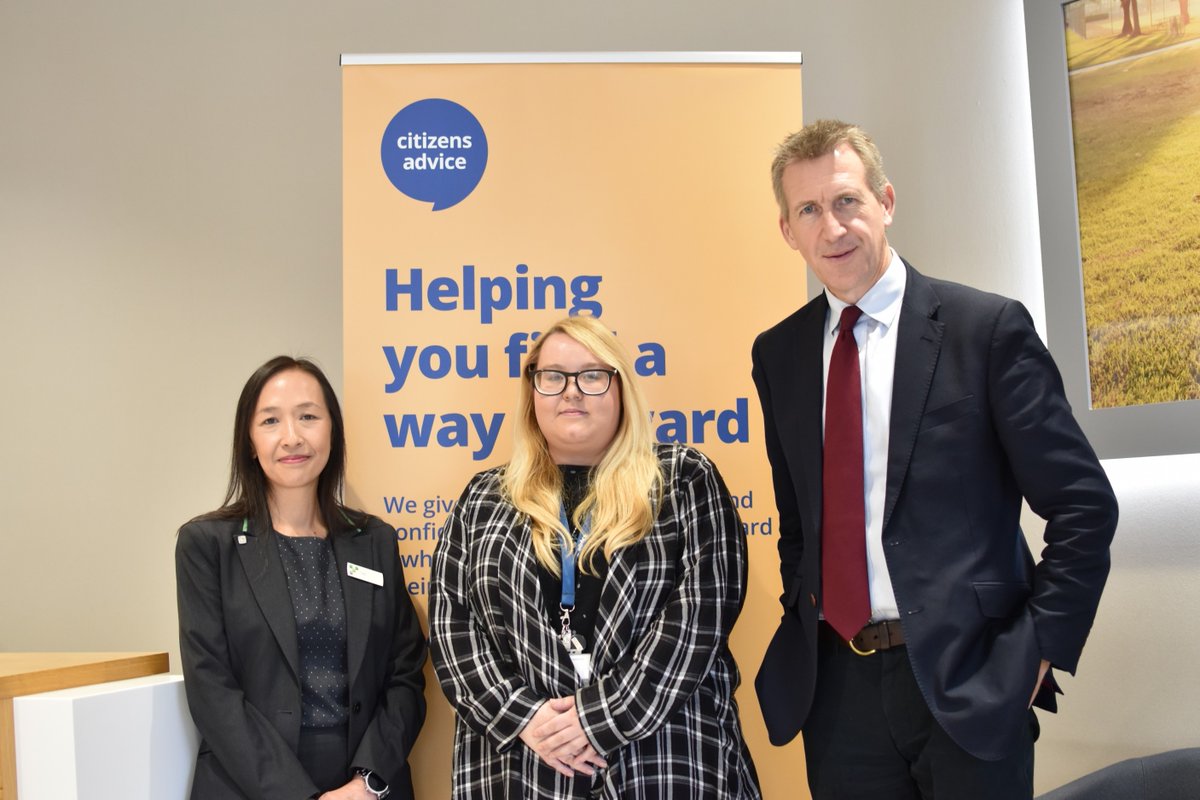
(660,707)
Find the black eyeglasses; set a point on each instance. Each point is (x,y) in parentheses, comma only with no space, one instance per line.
(591,382)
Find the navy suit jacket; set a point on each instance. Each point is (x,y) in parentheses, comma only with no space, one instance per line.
(237,637)
(979,421)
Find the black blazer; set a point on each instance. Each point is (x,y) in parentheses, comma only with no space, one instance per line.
(979,421)
(237,636)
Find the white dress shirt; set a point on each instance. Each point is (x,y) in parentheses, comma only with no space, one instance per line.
(875,335)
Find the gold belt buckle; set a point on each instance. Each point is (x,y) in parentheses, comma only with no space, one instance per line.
(857,651)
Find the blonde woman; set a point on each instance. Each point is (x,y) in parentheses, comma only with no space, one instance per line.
(583,595)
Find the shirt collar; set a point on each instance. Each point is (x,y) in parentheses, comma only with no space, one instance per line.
(881,302)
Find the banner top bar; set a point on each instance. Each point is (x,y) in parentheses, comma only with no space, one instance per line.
(717,57)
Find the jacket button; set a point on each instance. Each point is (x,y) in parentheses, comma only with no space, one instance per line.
(812,598)
(357,707)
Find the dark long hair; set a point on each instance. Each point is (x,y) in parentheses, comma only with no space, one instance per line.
(247,492)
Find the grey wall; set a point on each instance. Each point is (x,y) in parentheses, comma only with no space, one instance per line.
(170,217)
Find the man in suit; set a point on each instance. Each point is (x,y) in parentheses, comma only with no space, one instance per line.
(917,631)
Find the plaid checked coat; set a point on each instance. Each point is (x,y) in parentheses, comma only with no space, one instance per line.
(660,706)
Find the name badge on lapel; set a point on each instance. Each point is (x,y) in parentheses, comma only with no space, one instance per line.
(364,573)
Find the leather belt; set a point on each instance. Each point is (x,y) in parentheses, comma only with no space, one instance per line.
(880,636)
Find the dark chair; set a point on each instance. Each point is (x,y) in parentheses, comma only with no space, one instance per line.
(1174,775)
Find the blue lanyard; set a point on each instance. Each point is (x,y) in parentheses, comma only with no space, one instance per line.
(568,559)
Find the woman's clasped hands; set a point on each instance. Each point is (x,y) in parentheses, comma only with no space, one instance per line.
(555,734)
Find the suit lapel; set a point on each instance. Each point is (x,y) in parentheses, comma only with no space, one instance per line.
(535,637)
(616,610)
(353,546)
(795,364)
(264,572)
(809,397)
(918,345)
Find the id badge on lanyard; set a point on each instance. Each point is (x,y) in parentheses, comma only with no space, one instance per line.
(572,641)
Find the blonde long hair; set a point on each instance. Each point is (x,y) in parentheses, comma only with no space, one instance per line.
(624,492)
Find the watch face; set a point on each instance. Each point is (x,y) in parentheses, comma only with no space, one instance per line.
(375,784)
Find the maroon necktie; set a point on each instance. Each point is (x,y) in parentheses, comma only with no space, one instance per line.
(844,595)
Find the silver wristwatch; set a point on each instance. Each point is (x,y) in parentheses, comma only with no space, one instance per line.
(375,784)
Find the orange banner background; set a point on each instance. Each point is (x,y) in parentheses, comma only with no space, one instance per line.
(653,179)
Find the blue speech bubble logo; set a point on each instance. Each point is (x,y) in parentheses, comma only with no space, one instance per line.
(434,151)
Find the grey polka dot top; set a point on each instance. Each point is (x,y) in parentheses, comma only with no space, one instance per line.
(316,590)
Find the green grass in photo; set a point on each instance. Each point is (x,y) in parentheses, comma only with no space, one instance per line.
(1137,144)
(1099,50)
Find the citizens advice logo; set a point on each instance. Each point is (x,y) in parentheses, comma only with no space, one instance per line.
(434,151)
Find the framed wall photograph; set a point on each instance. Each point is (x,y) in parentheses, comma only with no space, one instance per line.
(1115,94)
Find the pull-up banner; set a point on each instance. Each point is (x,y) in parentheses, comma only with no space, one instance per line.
(484,197)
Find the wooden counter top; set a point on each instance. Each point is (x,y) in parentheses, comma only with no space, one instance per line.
(33,673)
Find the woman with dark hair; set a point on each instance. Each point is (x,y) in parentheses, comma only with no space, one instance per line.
(302,652)
(583,595)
